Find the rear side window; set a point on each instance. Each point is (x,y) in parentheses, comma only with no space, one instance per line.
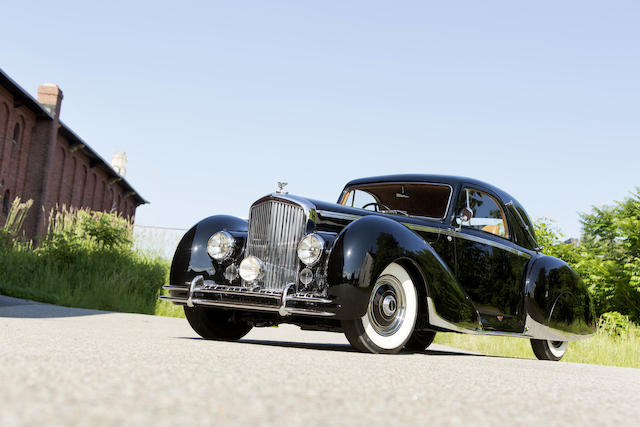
(488,216)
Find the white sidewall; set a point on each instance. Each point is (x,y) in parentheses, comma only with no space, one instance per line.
(558,351)
(404,332)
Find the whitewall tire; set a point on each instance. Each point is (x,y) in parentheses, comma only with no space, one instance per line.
(391,314)
(548,349)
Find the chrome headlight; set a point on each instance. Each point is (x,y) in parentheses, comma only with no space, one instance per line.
(251,268)
(310,249)
(221,245)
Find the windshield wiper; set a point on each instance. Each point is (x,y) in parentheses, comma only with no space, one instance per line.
(395,212)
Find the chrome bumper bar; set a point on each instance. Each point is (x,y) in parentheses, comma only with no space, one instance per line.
(280,298)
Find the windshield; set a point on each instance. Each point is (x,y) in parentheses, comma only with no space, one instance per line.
(415,199)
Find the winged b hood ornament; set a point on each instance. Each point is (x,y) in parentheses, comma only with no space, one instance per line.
(281,186)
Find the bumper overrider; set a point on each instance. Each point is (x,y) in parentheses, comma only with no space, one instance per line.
(201,292)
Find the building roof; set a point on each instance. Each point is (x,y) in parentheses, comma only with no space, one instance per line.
(95,160)
(22,97)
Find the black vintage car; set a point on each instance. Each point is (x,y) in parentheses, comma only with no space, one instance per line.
(397,259)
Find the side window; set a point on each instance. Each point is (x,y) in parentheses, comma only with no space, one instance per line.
(488,216)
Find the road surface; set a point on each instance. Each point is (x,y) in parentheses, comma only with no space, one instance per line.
(76,367)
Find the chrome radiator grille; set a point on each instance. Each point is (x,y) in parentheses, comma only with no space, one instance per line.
(275,228)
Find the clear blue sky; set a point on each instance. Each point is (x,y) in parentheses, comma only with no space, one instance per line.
(216,101)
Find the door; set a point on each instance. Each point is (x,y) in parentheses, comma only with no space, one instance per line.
(489,265)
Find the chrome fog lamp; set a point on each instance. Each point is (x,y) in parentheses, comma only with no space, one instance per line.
(251,269)
(306,276)
(221,245)
(231,273)
(310,249)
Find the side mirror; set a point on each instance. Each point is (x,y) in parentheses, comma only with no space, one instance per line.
(465,216)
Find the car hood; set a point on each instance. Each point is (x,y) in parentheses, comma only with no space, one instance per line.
(334,217)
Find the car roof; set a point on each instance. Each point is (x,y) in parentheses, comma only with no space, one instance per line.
(452,180)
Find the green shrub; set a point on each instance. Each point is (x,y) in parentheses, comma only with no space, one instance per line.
(614,324)
(608,256)
(85,260)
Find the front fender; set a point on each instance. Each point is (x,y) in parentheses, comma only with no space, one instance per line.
(364,249)
(557,302)
(191,257)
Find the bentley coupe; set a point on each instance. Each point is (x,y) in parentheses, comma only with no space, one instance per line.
(395,260)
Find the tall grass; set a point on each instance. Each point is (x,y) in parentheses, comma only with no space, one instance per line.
(85,260)
(616,343)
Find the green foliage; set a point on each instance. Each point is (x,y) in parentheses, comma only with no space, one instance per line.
(608,257)
(85,260)
(73,233)
(614,324)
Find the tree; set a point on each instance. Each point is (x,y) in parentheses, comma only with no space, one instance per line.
(608,256)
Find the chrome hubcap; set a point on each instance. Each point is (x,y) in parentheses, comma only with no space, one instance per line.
(387,306)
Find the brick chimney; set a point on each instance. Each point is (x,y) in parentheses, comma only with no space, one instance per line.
(119,163)
(50,96)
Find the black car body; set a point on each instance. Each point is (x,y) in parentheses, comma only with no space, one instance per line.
(465,248)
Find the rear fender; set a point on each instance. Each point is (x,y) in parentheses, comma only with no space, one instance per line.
(557,303)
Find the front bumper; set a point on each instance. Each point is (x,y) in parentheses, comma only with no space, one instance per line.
(200,292)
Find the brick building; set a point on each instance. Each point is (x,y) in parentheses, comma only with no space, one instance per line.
(43,159)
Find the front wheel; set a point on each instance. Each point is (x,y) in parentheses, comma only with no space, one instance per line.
(391,314)
(549,350)
(216,324)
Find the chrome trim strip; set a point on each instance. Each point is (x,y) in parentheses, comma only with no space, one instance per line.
(175,300)
(240,292)
(211,287)
(437,230)
(300,298)
(534,329)
(338,215)
(257,307)
(176,288)
(198,284)
(492,243)
(436,320)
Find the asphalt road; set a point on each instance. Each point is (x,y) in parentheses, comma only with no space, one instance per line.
(63,366)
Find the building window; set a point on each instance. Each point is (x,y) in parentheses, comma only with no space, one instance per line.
(16,133)
(5,202)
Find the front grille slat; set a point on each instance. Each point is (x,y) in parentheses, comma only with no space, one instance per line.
(275,228)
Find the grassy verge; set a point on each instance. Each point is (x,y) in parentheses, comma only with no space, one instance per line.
(86,260)
(104,280)
(604,348)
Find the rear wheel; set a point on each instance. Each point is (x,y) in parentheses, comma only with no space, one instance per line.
(391,314)
(420,340)
(216,324)
(549,350)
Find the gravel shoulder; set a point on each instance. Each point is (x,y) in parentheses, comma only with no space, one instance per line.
(65,366)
